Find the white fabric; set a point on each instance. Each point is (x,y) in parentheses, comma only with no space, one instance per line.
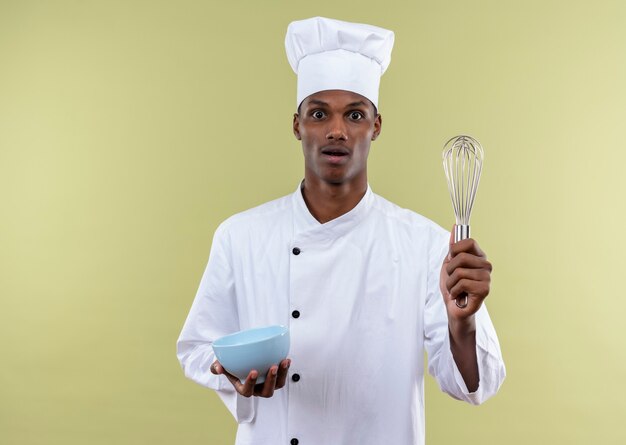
(329,54)
(367,288)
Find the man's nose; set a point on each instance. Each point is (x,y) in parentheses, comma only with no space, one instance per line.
(337,130)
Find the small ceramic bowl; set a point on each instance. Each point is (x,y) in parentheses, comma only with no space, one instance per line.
(256,348)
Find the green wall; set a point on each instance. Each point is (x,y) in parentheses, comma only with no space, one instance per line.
(130,129)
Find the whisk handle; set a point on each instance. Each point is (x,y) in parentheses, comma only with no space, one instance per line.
(461,232)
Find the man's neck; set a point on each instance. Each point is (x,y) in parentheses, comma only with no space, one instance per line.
(329,201)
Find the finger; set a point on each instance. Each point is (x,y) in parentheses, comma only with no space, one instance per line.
(246,389)
(234,380)
(219,369)
(468,245)
(470,274)
(283,371)
(474,289)
(468,261)
(267,389)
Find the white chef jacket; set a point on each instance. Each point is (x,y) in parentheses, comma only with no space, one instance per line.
(366,287)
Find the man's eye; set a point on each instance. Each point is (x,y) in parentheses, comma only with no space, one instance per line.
(318,114)
(356,115)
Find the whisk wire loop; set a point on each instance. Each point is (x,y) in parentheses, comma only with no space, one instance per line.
(462,162)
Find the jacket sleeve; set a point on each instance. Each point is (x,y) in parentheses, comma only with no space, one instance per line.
(441,364)
(212,315)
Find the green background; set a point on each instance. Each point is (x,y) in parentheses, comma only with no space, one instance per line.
(130,129)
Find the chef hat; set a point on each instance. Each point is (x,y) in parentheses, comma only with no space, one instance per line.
(329,54)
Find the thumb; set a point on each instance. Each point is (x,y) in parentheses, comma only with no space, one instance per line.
(449,257)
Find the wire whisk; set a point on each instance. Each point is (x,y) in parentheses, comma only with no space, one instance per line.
(462,163)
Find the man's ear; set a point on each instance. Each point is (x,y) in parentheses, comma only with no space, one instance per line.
(296,126)
(378,124)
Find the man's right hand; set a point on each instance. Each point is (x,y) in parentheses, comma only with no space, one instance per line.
(275,379)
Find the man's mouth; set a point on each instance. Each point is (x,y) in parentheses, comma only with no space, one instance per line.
(335,151)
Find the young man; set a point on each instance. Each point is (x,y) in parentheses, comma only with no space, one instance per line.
(363,285)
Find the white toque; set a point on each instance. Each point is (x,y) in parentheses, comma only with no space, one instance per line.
(329,54)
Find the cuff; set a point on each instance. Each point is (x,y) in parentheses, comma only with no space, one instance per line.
(490,365)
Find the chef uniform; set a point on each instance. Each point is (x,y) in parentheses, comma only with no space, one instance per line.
(359,293)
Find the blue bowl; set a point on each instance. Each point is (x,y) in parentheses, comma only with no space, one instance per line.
(257,348)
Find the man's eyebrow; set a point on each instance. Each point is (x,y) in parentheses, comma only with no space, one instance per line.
(321,102)
(318,102)
(356,104)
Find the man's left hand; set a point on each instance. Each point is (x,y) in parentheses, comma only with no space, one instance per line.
(465,271)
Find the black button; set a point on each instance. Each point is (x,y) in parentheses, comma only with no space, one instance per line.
(294,441)
(296,251)
(295,377)
(295,314)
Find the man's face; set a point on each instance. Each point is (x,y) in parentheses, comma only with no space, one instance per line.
(336,128)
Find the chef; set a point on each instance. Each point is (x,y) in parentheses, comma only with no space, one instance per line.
(364,286)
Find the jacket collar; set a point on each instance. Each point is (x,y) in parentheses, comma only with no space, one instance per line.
(306,227)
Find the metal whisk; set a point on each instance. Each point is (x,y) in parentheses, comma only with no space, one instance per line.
(462,162)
